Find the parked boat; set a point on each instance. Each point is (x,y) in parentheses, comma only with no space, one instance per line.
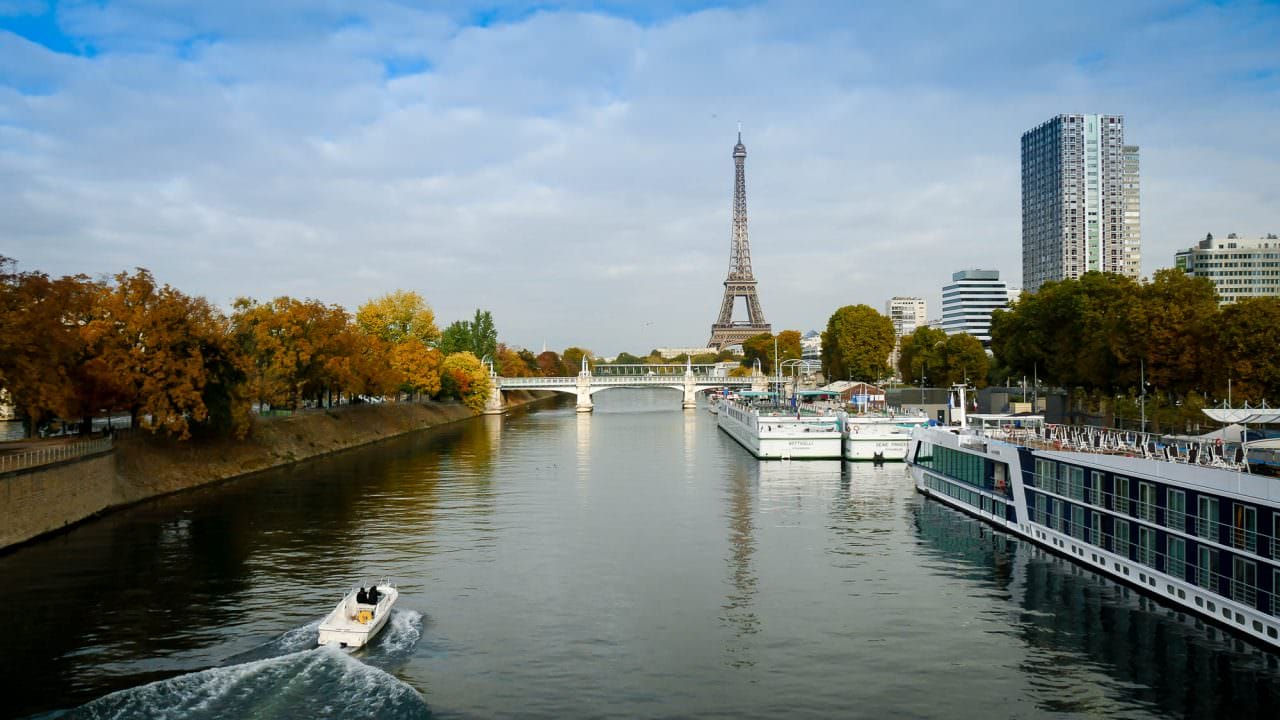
(1188,523)
(773,432)
(879,436)
(359,615)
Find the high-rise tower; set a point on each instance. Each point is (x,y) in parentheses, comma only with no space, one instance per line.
(1080,200)
(740,283)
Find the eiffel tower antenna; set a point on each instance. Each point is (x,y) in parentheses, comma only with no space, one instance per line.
(740,283)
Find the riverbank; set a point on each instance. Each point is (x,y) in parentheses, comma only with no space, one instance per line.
(44,500)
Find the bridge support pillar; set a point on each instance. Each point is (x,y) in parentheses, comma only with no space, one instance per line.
(584,392)
(759,382)
(495,404)
(690,390)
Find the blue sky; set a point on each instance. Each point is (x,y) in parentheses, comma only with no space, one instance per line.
(567,165)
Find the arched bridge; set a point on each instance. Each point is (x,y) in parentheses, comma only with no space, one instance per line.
(585,383)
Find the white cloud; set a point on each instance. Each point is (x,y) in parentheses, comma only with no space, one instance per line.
(572,172)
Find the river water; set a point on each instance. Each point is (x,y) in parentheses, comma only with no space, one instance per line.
(634,562)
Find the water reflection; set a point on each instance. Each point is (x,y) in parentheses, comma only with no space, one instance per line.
(739,612)
(1096,646)
(180,579)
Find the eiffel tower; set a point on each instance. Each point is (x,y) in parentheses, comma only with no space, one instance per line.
(740,283)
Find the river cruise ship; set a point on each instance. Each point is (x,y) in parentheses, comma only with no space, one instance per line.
(773,432)
(1189,523)
(879,437)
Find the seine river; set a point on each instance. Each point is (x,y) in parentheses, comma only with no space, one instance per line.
(631,563)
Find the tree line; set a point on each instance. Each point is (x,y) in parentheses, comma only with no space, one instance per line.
(1106,334)
(75,347)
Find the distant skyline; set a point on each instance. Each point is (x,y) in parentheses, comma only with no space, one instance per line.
(568,165)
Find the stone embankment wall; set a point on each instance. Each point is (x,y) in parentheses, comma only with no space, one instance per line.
(40,500)
(45,499)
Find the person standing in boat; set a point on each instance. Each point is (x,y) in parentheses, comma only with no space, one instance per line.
(362,596)
(373,594)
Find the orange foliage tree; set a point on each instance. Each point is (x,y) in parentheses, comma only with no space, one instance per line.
(41,350)
(147,346)
(463,376)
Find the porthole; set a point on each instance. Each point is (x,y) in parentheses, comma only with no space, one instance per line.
(1170,589)
(1182,595)
(1239,619)
(1199,601)
(1272,632)
(1257,626)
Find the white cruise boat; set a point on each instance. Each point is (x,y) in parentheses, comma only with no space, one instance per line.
(1191,523)
(879,436)
(358,617)
(773,433)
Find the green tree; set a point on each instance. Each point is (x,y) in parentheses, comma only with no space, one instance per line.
(758,347)
(856,344)
(456,338)
(484,336)
(1248,335)
(920,355)
(626,358)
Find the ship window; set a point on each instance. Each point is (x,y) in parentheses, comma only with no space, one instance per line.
(1207,518)
(1275,593)
(1206,567)
(1176,558)
(1244,527)
(1244,581)
(1175,515)
(1075,482)
(1147,501)
(1121,540)
(1095,529)
(1093,487)
(1120,498)
(1077,522)
(1147,546)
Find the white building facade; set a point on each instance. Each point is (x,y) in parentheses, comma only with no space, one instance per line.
(1239,268)
(967,303)
(906,314)
(1080,200)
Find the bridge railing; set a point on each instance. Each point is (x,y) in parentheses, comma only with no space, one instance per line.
(621,380)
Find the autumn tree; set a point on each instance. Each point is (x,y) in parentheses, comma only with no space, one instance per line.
(761,347)
(295,349)
(572,357)
(398,316)
(41,350)
(510,364)
(464,377)
(146,347)
(549,364)
(857,343)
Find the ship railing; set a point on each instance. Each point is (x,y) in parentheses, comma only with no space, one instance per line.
(1110,441)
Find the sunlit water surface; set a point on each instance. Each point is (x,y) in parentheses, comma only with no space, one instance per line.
(634,562)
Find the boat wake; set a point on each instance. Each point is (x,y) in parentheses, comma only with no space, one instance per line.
(287,677)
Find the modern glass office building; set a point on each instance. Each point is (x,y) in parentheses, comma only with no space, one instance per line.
(967,303)
(1080,200)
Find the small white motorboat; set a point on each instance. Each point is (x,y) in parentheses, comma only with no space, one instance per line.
(359,616)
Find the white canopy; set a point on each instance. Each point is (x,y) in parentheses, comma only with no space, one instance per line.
(1248,416)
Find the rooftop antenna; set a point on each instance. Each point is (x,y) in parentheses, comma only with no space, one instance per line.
(739,131)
